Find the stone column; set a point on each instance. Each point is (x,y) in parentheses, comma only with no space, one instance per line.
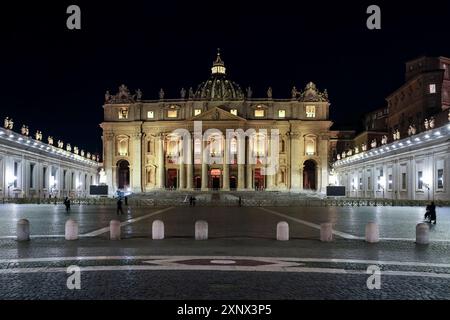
(181,174)
(161,169)
(136,166)
(226,168)
(249,165)
(204,167)
(189,165)
(241,164)
(296,168)
(109,166)
(269,176)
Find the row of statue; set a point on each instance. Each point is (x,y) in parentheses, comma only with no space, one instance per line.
(25,131)
(124,96)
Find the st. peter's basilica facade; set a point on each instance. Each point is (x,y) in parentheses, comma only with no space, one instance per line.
(155,145)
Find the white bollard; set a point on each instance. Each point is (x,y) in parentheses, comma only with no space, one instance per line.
(326,232)
(422,233)
(372,232)
(114,230)
(282,231)
(23,230)
(201,230)
(158,230)
(71,230)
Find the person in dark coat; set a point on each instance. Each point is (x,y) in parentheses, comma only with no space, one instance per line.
(67,204)
(240,202)
(191,200)
(432,209)
(119,206)
(126,201)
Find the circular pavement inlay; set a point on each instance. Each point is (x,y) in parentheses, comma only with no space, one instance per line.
(223,261)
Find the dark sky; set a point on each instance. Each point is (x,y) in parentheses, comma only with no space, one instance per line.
(54,79)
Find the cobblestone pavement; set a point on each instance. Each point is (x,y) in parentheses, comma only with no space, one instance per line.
(241,260)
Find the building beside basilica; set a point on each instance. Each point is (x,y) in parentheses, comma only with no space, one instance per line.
(404,153)
(33,168)
(143,149)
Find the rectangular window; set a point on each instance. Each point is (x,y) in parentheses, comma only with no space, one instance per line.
(234,112)
(123,113)
(44,177)
(259,113)
(197,112)
(390,182)
(432,88)
(150,114)
(419,180)
(281,113)
(31,175)
(64,179)
(369,183)
(16,171)
(172,113)
(360,183)
(310,111)
(404,182)
(440,179)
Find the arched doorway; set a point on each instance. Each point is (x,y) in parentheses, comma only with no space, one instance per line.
(309,175)
(215,175)
(172,181)
(233,182)
(123,174)
(198,182)
(259,180)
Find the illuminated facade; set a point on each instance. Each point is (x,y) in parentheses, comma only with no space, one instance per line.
(142,144)
(31,168)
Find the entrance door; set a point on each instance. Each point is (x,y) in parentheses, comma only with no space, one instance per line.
(259,180)
(123,174)
(233,182)
(215,178)
(198,182)
(172,178)
(309,175)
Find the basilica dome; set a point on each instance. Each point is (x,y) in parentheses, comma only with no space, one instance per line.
(218,87)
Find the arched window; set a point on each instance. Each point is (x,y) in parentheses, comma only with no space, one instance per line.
(173,147)
(233,146)
(310,146)
(215,145)
(259,145)
(122,145)
(198,146)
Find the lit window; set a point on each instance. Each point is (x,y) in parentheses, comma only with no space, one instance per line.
(233,146)
(150,114)
(197,112)
(281,113)
(259,145)
(233,112)
(310,111)
(310,146)
(432,88)
(172,113)
(440,180)
(419,180)
(123,113)
(259,113)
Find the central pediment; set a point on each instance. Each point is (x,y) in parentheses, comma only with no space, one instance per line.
(217,114)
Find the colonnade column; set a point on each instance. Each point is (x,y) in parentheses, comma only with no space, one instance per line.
(204,167)
(249,165)
(161,169)
(189,165)
(226,168)
(241,163)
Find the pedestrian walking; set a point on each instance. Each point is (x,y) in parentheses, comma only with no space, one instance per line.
(240,202)
(193,201)
(67,204)
(119,206)
(126,201)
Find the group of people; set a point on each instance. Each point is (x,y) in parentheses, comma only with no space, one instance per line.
(67,203)
(192,201)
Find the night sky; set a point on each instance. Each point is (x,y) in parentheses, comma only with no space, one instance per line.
(54,79)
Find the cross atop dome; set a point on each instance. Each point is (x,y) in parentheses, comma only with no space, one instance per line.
(218,65)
